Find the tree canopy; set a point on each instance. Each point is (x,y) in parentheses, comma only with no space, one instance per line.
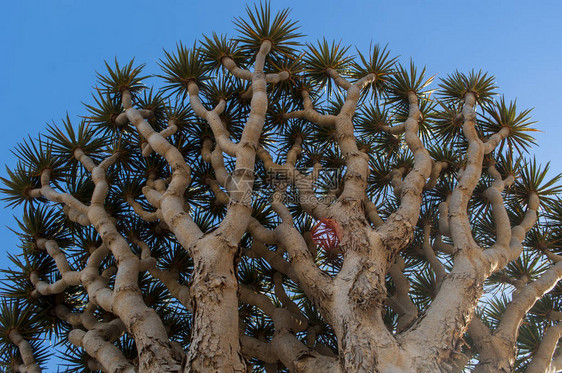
(270,203)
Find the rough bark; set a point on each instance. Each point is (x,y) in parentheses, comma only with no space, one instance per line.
(215,345)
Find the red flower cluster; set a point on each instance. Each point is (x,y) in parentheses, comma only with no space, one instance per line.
(326,234)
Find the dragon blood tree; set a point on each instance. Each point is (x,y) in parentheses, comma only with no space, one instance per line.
(274,206)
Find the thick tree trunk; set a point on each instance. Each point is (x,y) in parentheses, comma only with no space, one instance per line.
(367,346)
(495,354)
(215,345)
(365,343)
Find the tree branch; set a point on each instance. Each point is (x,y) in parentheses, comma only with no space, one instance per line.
(542,358)
(25,350)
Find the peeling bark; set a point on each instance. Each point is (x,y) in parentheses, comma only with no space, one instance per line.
(215,346)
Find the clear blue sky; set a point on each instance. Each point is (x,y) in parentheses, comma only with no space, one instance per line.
(52,49)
